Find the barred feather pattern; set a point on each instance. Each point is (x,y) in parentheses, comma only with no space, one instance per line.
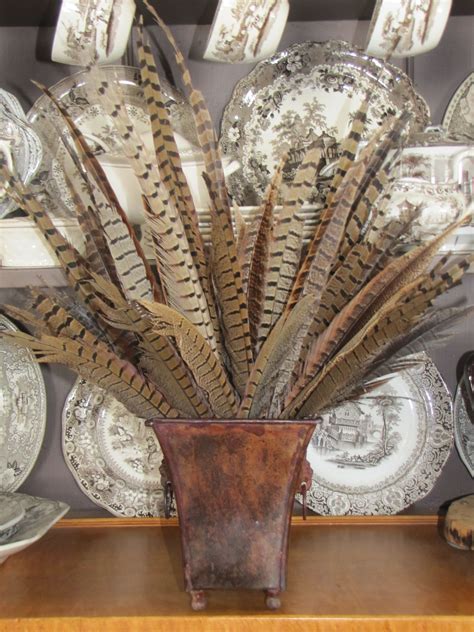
(257,270)
(158,359)
(177,270)
(349,149)
(232,300)
(128,253)
(287,241)
(104,369)
(199,357)
(356,359)
(204,128)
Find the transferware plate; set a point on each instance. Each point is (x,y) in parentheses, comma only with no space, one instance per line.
(113,456)
(380,454)
(307,91)
(23,406)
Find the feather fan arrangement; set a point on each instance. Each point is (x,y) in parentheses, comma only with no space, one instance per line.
(257,325)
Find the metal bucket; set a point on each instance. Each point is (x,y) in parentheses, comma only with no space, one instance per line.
(234,482)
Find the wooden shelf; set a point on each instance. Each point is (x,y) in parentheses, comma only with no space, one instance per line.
(357,574)
(45,12)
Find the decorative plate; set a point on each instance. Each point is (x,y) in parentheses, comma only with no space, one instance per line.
(459,115)
(23,406)
(308,91)
(113,456)
(81,99)
(40,515)
(463,430)
(383,453)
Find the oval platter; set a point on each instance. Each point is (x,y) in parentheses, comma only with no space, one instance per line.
(308,91)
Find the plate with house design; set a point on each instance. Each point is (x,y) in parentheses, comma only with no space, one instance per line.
(307,93)
(380,454)
(114,458)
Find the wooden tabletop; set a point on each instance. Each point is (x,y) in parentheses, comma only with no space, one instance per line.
(359,575)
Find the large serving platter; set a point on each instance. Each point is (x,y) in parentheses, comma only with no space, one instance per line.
(459,115)
(79,95)
(463,430)
(39,515)
(113,456)
(307,91)
(23,406)
(381,454)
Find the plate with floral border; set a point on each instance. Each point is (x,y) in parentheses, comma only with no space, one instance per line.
(308,92)
(463,429)
(114,458)
(78,94)
(381,454)
(23,406)
(459,115)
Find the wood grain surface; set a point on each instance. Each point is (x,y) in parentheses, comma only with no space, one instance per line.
(357,577)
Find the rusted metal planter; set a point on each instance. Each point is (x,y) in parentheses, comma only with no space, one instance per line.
(234,483)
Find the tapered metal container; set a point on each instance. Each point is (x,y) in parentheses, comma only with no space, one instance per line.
(234,482)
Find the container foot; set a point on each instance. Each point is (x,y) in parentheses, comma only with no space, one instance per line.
(272,599)
(198,600)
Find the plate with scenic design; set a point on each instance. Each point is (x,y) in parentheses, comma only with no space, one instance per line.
(459,115)
(463,429)
(307,92)
(23,406)
(80,98)
(113,456)
(381,454)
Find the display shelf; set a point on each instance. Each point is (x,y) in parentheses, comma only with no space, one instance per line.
(352,573)
(45,12)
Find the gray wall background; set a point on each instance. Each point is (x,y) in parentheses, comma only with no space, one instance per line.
(24,56)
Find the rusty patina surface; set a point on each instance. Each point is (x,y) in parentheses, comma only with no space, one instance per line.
(234,483)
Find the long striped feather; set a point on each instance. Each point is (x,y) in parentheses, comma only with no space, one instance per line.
(102,368)
(198,355)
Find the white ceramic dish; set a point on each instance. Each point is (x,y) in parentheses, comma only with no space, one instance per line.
(246,31)
(88,30)
(299,95)
(23,419)
(40,515)
(404,28)
(79,96)
(380,455)
(459,115)
(113,456)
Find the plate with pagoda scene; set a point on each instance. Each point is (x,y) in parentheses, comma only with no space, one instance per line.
(380,454)
(309,92)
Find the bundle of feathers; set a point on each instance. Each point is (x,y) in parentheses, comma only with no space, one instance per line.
(259,324)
